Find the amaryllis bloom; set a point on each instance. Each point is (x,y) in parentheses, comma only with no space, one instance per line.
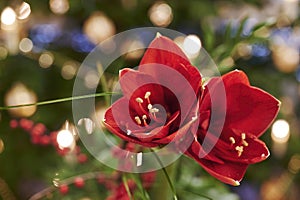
(159,98)
(233,142)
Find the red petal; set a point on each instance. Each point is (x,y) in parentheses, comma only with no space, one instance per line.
(164,51)
(229,172)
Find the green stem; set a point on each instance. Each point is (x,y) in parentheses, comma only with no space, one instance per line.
(165,172)
(57,100)
(124,179)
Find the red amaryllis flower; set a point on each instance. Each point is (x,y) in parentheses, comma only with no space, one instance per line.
(249,112)
(159,98)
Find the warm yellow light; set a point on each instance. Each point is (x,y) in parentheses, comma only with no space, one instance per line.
(59,6)
(25,45)
(192,45)
(23,11)
(1,146)
(3,53)
(8,16)
(18,95)
(280,131)
(69,69)
(161,14)
(46,60)
(91,79)
(99,27)
(286,58)
(65,139)
(129,47)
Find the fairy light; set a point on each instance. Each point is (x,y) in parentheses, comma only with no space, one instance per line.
(68,70)
(192,45)
(280,131)
(91,79)
(25,45)
(59,6)
(161,14)
(8,16)
(135,49)
(23,11)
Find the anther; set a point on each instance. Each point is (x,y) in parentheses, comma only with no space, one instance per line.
(232,140)
(147,95)
(243,136)
(149,106)
(154,110)
(240,150)
(139,100)
(144,117)
(138,120)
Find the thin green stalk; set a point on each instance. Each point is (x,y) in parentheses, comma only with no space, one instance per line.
(195,193)
(166,174)
(57,100)
(124,179)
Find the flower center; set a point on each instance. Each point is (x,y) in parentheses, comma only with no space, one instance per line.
(151,110)
(243,143)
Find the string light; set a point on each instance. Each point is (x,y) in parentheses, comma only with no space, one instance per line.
(68,70)
(65,137)
(192,45)
(46,59)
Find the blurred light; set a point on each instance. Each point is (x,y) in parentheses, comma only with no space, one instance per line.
(19,95)
(294,164)
(23,11)
(280,131)
(25,45)
(227,62)
(291,9)
(285,58)
(244,50)
(263,32)
(46,60)
(88,124)
(69,69)
(8,16)
(81,43)
(3,53)
(65,139)
(99,27)
(42,34)
(160,14)
(1,145)
(91,79)
(260,50)
(287,105)
(135,49)
(59,6)
(192,45)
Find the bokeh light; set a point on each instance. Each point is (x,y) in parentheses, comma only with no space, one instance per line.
(192,45)
(20,94)
(59,6)
(130,45)
(23,11)
(280,131)
(3,53)
(65,139)
(91,79)
(25,45)
(46,59)
(286,58)
(8,17)
(161,14)
(1,146)
(99,27)
(69,70)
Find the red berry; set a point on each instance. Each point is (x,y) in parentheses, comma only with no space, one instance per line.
(63,189)
(82,158)
(79,182)
(26,124)
(38,129)
(13,123)
(45,140)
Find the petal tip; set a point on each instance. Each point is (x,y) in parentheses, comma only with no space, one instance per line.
(158,35)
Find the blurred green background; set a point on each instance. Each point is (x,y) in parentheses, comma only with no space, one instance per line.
(43,43)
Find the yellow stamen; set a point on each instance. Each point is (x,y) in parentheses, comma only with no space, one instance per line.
(144,117)
(147,95)
(243,136)
(138,120)
(139,100)
(232,140)
(240,150)
(245,143)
